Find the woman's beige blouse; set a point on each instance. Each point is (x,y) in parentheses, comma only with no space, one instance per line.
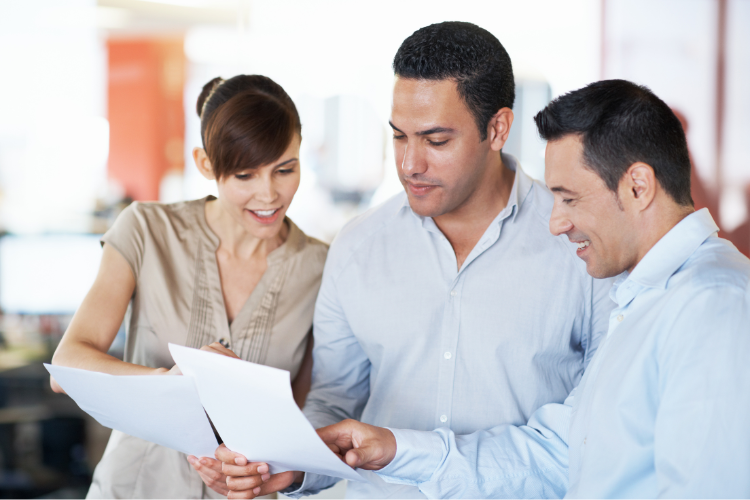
(178,299)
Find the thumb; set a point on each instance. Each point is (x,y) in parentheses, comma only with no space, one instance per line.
(363,458)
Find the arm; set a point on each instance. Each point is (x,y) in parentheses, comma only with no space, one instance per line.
(94,325)
(503,462)
(301,383)
(701,433)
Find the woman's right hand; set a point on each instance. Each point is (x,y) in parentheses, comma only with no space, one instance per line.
(251,479)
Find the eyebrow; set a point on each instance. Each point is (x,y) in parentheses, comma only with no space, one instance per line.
(285,162)
(558,189)
(434,130)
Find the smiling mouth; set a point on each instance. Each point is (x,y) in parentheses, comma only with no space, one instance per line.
(583,244)
(265,214)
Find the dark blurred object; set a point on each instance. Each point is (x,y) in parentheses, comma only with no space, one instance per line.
(42,437)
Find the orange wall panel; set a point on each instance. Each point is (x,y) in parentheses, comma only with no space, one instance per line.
(146,116)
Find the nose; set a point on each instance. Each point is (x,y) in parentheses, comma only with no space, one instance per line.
(412,162)
(267,192)
(558,222)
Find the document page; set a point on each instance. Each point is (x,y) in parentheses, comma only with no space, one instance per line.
(254,412)
(163,409)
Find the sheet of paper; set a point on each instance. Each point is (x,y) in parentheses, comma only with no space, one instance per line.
(163,409)
(254,412)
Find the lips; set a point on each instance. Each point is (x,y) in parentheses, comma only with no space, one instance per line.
(420,189)
(265,216)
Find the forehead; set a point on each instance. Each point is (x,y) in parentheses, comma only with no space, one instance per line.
(418,103)
(565,167)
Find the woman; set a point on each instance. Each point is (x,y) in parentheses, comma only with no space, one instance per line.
(232,270)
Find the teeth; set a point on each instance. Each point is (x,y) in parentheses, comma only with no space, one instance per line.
(583,244)
(264,213)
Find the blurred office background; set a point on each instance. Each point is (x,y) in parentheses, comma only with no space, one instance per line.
(97,108)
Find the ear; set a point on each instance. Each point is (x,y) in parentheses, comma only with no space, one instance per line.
(499,128)
(638,185)
(203,163)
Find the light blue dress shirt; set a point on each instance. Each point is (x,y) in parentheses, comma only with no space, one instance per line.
(405,339)
(663,409)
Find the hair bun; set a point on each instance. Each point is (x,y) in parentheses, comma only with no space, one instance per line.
(206,93)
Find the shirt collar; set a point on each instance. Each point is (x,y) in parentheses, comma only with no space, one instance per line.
(666,257)
(521,187)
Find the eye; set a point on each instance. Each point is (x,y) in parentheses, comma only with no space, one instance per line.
(397,137)
(285,171)
(567,201)
(243,177)
(438,143)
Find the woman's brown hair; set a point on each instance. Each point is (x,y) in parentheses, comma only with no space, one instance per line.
(246,121)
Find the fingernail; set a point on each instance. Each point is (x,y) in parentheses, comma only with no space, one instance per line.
(191,460)
(203,461)
(239,461)
(263,468)
(265,477)
(256,490)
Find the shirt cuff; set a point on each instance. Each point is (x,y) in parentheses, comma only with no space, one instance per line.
(418,455)
(311,484)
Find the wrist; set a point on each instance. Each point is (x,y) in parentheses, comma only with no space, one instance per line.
(299,477)
(160,371)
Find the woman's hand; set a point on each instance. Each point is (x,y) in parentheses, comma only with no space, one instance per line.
(217,348)
(251,479)
(209,470)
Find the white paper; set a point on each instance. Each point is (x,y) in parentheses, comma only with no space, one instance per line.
(254,412)
(163,409)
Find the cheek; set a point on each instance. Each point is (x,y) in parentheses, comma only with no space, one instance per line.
(287,186)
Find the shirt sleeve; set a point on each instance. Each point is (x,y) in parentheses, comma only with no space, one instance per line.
(128,236)
(341,371)
(701,434)
(529,461)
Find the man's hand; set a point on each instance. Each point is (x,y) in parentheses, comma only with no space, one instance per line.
(250,479)
(361,445)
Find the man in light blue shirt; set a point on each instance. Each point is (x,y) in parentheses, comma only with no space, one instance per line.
(451,305)
(663,409)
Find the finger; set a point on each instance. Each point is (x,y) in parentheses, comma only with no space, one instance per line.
(217,348)
(228,456)
(339,434)
(334,448)
(359,457)
(245,483)
(251,469)
(206,468)
(241,494)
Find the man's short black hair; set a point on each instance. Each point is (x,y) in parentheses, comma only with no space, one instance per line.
(468,54)
(621,123)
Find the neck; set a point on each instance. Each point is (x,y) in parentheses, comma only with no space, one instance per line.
(466,224)
(235,239)
(658,220)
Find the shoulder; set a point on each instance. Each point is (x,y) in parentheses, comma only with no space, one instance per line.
(181,216)
(306,248)
(362,229)
(715,264)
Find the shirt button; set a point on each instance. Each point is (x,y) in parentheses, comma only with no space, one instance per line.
(447,355)
(453,293)
(443,418)
(620,317)
(224,342)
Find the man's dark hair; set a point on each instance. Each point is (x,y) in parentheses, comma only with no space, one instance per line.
(621,123)
(468,54)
